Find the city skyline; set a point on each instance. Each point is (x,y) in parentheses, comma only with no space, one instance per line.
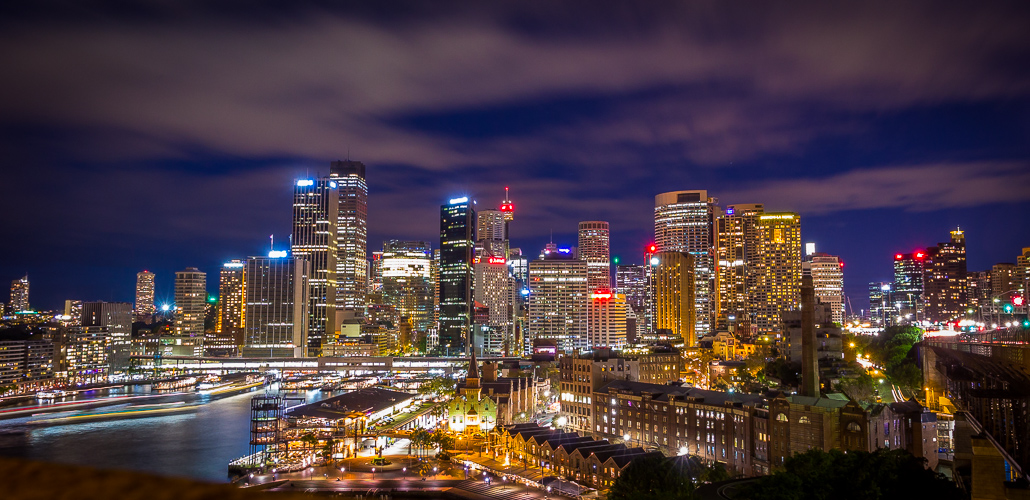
(582,125)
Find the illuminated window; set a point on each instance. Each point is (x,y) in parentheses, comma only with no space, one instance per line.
(781,417)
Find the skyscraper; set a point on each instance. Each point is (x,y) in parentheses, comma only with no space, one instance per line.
(736,236)
(145,296)
(457,236)
(490,225)
(352,233)
(944,282)
(909,269)
(116,318)
(672,277)
(316,205)
(190,302)
(20,294)
(594,249)
(493,290)
(684,222)
(558,296)
(827,273)
(606,319)
(231,301)
(276,303)
(408,282)
(777,269)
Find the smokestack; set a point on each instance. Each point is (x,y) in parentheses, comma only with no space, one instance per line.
(809,362)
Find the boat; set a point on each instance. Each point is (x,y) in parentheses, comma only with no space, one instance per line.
(52,394)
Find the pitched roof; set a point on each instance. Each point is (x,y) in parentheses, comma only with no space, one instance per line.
(473,367)
(367,401)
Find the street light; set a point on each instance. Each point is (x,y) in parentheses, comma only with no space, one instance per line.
(373,473)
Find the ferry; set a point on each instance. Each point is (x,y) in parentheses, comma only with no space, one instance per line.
(52,394)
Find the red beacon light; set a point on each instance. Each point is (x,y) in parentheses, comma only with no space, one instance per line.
(652,248)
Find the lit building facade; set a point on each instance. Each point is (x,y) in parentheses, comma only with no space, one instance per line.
(777,269)
(190,302)
(457,236)
(944,283)
(85,355)
(19,295)
(594,249)
(351,233)
(116,318)
(558,297)
(493,290)
(231,307)
(406,268)
(684,222)
(145,296)
(907,296)
(276,302)
(827,273)
(316,205)
(606,319)
(672,279)
(736,233)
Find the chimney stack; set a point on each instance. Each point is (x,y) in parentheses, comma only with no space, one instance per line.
(809,361)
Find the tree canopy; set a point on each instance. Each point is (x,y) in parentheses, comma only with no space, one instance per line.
(655,477)
(883,474)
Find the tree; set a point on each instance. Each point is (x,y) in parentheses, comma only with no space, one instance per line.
(883,474)
(328,450)
(444,440)
(654,477)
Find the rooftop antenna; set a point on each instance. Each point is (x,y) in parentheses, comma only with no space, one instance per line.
(271,244)
(506,195)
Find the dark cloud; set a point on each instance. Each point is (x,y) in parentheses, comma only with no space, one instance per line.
(174,118)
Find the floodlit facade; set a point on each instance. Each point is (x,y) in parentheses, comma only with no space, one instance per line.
(558,296)
(736,235)
(316,205)
(672,277)
(684,222)
(19,295)
(145,296)
(827,273)
(944,282)
(276,302)
(493,290)
(606,319)
(907,296)
(190,302)
(351,233)
(777,270)
(406,268)
(231,310)
(457,235)
(594,249)
(116,319)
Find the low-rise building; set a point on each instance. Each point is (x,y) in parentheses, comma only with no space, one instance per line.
(484,402)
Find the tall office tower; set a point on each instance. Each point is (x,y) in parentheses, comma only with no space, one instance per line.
(631,281)
(436,289)
(907,291)
(490,225)
(408,281)
(116,317)
(944,281)
(457,234)
(351,234)
(1002,279)
(231,302)
(684,222)
(493,289)
(73,309)
(606,319)
(315,220)
(735,235)
(375,273)
(979,283)
(145,296)
(593,248)
(881,306)
(827,273)
(558,297)
(20,294)
(190,302)
(276,304)
(776,270)
(672,282)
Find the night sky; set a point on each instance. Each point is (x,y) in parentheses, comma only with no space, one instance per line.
(168,136)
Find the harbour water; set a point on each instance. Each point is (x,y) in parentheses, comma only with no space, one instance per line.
(197,445)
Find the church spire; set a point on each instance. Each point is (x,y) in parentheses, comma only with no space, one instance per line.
(473,372)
